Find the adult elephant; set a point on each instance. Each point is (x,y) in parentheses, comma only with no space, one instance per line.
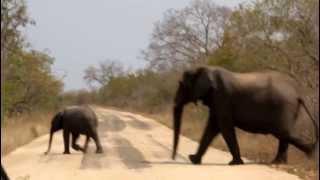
(266,103)
(4,175)
(76,120)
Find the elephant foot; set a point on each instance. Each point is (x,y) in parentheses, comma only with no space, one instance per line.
(195,159)
(99,151)
(66,152)
(236,162)
(77,147)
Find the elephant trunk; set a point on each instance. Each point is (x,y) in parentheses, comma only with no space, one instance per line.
(177,126)
(50,140)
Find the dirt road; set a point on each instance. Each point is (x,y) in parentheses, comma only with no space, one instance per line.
(135,148)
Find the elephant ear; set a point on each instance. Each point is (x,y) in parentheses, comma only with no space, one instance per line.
(58,119)
(188,79)
(204,81)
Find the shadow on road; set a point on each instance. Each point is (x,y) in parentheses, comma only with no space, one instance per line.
(111,123)
(93,161)
(130,156)
(166,148)
(203,164)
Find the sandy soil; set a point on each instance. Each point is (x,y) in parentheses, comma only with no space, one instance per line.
(135,147)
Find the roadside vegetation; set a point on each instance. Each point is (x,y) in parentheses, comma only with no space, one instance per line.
(29,89)
(275,35)
(279,35)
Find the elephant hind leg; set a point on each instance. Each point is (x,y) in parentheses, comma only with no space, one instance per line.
(282,154)
(97,141)
(290,137)
(75,146)
(306,148)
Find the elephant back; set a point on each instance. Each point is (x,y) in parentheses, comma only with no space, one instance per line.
(82,115)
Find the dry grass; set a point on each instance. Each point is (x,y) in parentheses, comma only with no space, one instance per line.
(17,131)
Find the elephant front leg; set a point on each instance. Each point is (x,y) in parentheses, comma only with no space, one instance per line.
(210,132)
(229,136)
(66,136)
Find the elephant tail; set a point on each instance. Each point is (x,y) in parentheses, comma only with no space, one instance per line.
(316,128)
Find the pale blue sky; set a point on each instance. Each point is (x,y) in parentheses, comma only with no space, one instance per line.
(80,33)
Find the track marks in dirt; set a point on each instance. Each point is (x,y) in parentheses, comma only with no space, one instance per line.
(130,156)
(138,124)
(111,123)
(110,130)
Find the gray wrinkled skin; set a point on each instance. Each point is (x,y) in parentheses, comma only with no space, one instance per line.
(264,102)
(76,120)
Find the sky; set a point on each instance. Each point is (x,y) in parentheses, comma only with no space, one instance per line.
(79,33)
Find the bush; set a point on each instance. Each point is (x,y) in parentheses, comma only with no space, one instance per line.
(29,83)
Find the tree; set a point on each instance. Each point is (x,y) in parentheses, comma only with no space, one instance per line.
(187,36)
(29,83)
(102,74)
(27,80)
(13,17)
(278,34)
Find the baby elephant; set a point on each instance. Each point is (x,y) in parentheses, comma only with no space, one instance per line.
(76,120)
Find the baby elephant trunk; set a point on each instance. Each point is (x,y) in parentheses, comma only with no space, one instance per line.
(50,140)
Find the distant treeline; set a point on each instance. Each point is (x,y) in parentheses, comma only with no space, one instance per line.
(265,34)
